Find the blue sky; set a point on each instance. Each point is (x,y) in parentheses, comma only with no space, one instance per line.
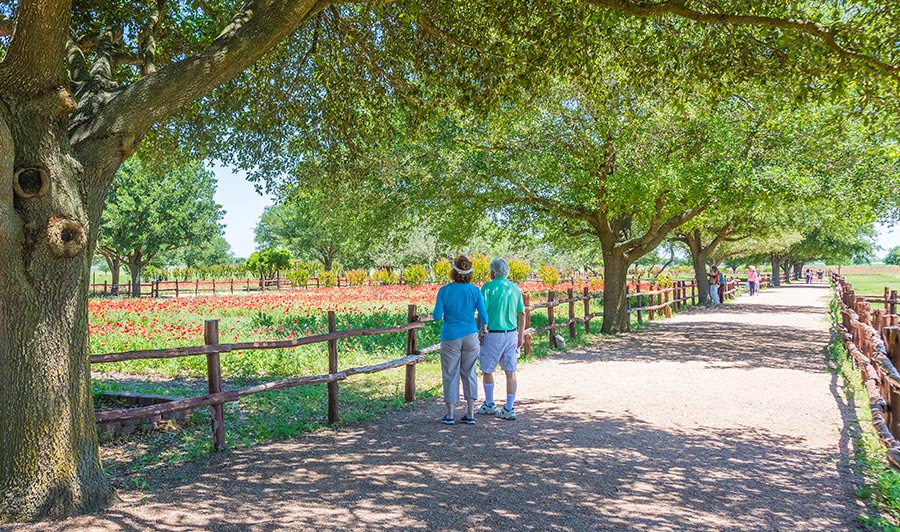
(243,206)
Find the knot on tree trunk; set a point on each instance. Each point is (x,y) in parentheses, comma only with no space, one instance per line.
(31,181)
(66,236)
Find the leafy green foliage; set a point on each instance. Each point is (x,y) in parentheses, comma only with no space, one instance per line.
(893,256)
(268,262)
(441,271)
(548,275)
(415,275)
(357,277)
(518,270)
(148,215)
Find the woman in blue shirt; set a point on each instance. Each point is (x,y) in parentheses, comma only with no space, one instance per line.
(456,305)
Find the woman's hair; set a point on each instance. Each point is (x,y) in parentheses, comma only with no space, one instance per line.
(462,263)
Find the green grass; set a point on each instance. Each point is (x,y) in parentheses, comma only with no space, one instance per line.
(882,483)
(873,283)
(284,413)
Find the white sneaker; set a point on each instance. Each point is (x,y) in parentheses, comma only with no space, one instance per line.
(508,415)
(487,410)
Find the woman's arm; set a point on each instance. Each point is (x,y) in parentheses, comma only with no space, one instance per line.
(479,306)
(438,313)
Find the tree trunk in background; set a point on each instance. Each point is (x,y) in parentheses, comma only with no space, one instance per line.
(134,266)
(699,258)
(786,268)
(115,268)
(615,303)
(49,464)
(798,270)
(776,270)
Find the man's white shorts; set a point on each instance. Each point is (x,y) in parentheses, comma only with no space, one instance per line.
(499,347)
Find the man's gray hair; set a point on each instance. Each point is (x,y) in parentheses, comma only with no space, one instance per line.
(499,267)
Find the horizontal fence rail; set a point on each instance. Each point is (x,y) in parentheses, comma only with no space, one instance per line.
(655,302)
(872,338)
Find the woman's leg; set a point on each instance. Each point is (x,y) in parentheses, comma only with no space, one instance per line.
(450,355)
(468,356)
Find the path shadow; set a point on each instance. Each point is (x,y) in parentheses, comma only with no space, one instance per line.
(551,470)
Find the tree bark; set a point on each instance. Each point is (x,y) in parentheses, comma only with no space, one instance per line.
(615,303)
(115,267)
(776,270)
(49,463)
(135,266)
(798,270)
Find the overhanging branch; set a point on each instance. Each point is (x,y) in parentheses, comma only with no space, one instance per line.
(35,58)
(825,35)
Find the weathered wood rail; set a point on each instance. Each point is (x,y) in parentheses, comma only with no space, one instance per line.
(872,338)
(216,397)
(660,302)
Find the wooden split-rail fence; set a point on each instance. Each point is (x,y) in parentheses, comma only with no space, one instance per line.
(872,338)
(657,302)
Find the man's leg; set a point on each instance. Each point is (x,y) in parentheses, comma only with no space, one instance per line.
(488,359)
(488,380)
(511,386)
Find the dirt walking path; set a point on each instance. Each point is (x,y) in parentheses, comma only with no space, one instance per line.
(722,419)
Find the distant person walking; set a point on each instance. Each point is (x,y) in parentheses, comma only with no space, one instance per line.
(504,337)
(456,304)
(809,276)
(820,273)
(714,285)
(753,280)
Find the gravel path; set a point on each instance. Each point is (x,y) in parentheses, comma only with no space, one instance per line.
(713,420)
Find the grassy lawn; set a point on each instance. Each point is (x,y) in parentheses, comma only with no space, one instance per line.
(873,283)
(144,324)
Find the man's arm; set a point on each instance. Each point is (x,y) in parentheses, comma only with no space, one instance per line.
(521,328)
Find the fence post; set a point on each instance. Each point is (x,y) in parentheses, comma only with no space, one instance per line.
(409,392)
(550,318)
(214,285)
(587,310)
(232,285)
(333,416)
(571,296)
(214,379)
(526,346)
(104,287)
(652,312)
(196,286)
(666,294)
(893,301)
(176,288)
(640,315)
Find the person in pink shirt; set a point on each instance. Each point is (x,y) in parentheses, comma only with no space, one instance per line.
(753,281)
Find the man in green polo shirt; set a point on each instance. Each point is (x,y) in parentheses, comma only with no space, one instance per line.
(505,328)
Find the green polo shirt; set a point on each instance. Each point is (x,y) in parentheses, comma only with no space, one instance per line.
(503,300)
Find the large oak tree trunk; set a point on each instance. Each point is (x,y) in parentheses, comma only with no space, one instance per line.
(776,270)
(698,257)
(49,464)
(615,302)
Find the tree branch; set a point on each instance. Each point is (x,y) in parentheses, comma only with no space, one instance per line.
(35,59)
(638,247)
(118,126)
(828,37)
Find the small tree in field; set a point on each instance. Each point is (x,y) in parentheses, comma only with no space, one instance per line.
(893,256)
(268,262)
(148,215)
